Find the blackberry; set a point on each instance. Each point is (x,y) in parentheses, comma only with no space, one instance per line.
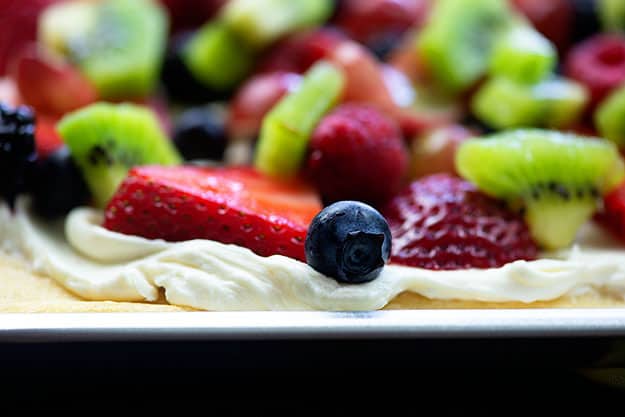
(17,149)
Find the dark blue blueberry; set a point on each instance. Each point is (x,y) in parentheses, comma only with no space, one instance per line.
(200,133)
(349,241)
(57,185)
(586,21)
(17,149)
(179,84)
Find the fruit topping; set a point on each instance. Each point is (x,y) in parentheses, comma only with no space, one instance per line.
(523,55)
(18,20)
(61,23)
(254,99)
(556,179)
(612,216)
(287,128)
(47,138)
(611,14)
(435,151)
(122,52)
(553,18)
(357,153)
(442,222)
(261,22)
(57,185)
(348,241)
(50,85)
(200,133)
(299,51)
(106,140)
(217,57)
(586,21)
(598,63)
(554,103)
(376,23)
(457,41)
(609,117)
(17,149)
(190,14)
(230,205)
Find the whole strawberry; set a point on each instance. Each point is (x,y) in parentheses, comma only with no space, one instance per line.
(444,222)
(357,153)
(230,205)
(612,217)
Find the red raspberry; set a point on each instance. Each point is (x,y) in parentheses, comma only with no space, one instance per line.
(357,153)
(612,217)
(599,64)
(444,222)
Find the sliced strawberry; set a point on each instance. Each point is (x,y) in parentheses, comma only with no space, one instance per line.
(18,20)
(444,222)
(297,53)
(612,217)
(47,139)
(255,98)
(370,21)
(230,205)
(49,86)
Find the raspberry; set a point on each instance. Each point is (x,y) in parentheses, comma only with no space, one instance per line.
(444,222)
(598,63)
(357,153)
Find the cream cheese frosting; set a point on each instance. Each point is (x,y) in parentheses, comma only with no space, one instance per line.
(98,264)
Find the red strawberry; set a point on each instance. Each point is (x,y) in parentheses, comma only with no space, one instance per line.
(47,139)
(230,205)
(255,98)
(552,18)
(444,222)
(357,153)
(612,217)
(49,86)
(297,53)
(18,20)
(599,64)
(370,21)
(190,14)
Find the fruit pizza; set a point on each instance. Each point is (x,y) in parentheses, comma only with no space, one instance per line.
(220,155)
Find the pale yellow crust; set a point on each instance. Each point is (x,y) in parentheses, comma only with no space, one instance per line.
(22,291)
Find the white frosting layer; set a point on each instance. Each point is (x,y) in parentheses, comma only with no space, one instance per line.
(102,265)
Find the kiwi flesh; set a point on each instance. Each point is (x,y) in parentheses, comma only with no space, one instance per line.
(261,22)
(123,52)
(106,140)
(610,117)
(458,39)
(287,128)
(556,179)
(217,57)
(523,54)
(554,103)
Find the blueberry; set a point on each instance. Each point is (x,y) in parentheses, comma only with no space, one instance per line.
(349,241)
(17,149)
(57,185)
(200,133)
(586,21)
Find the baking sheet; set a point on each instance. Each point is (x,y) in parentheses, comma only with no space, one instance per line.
(396,324)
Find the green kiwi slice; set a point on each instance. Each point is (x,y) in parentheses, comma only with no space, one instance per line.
(287,128)
(610,117)
(553,103)
(217,57)
(122,53)
(555,178)
(611,14)
(106,140)
(523,54)
(457,41)
(261,22)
